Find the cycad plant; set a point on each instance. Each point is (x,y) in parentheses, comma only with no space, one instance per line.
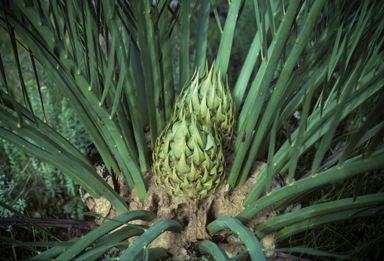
(113,62)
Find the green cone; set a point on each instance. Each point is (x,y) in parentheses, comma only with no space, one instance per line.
(188,157)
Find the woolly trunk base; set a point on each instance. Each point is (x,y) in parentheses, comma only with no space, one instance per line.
(194,215)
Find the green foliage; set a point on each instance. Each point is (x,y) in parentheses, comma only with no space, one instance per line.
(6,187)
(360,238)
(101,241)
(56,192)
(116,67)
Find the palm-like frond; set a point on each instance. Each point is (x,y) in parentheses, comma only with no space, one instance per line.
(114,64)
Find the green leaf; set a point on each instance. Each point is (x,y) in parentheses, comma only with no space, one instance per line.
(87,240)
(202,38)
(184,42)
(208,247)
(137,248)
(253,245)
(225,47)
